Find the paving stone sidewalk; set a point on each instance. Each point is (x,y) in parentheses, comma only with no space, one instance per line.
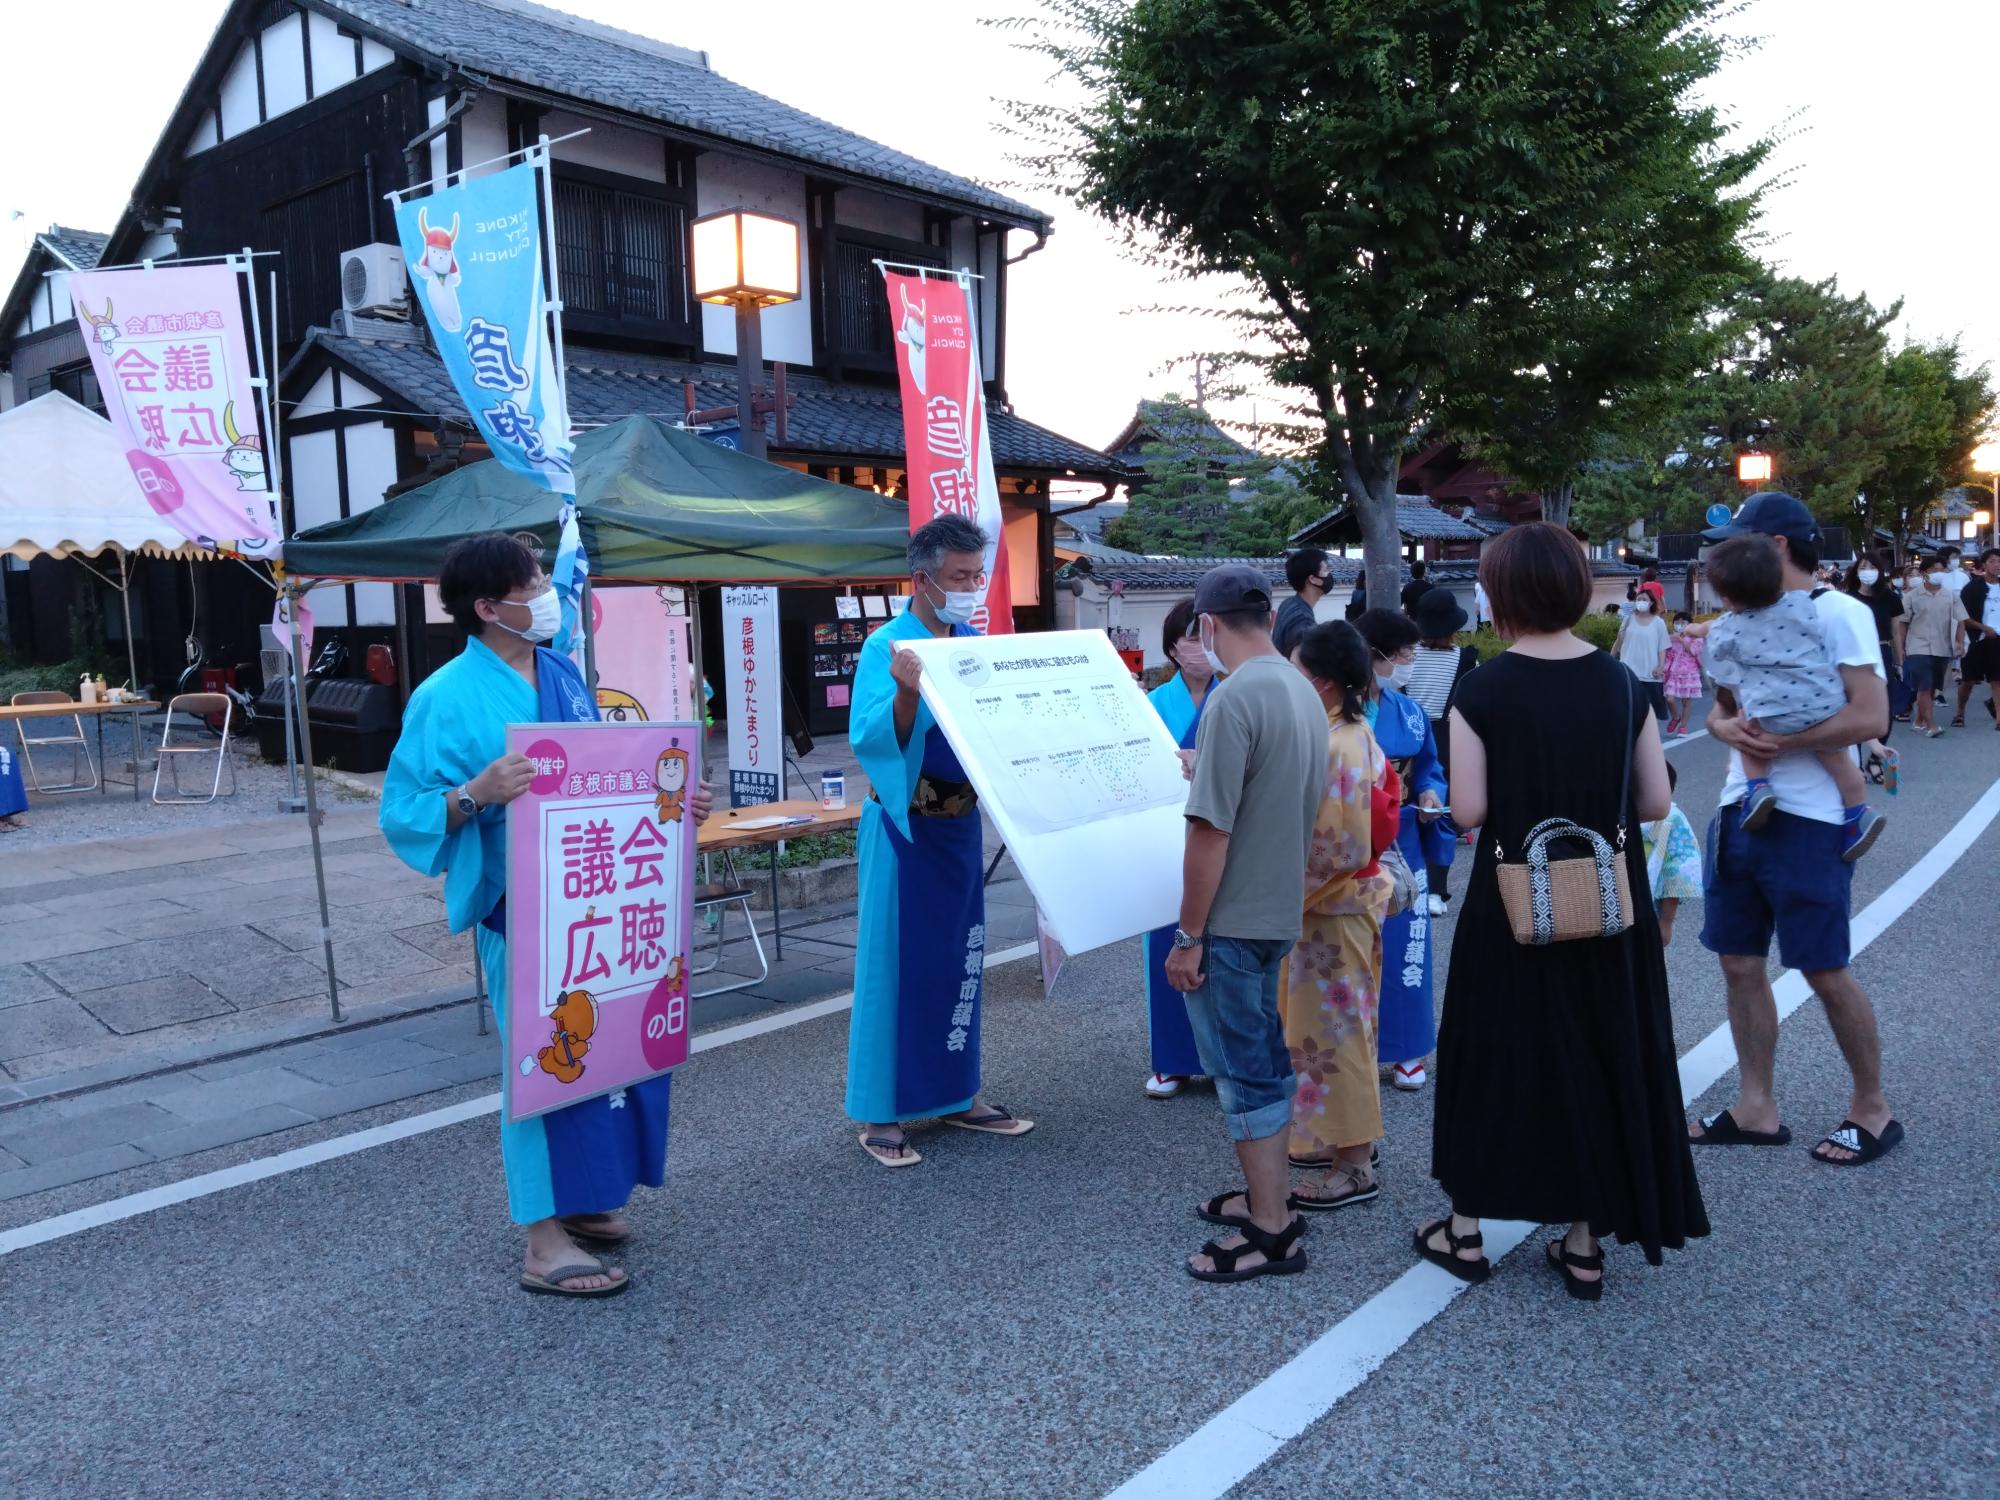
(171,1005)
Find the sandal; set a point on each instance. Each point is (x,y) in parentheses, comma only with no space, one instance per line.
(1316,1163)
(1283,1255)
(889,1150)
(1562,1258)
(1474,1271)
(556,1283)
(1211,1211)
(996,1121)
(1865,1146)
(583,1234)
(1721,1129)
(1360,1190)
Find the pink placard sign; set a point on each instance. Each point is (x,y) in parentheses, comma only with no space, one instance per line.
(600,909)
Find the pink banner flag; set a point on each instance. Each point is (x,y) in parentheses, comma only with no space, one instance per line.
(944,423)
(168,349)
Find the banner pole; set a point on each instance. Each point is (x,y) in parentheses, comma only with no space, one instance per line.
(589,635)
(274,414)
(551,276)
(263,381)
(312,803)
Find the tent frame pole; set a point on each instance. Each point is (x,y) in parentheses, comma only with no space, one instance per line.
(312,800)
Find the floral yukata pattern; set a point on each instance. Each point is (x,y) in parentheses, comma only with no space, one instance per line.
(1330,991)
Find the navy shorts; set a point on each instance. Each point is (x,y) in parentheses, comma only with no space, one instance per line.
(1926,674)
(1789,879)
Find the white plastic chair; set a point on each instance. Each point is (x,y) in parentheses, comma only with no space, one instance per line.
(79,747)
(198,706)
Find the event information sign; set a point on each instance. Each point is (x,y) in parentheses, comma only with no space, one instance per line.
(643,669)
(600,908)
(1075,769)
(750,671)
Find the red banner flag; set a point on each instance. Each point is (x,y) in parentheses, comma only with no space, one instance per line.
(950,457)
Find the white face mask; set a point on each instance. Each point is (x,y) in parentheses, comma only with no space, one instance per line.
(1643,605)
(1401,673)
(956,606)
(1866,577)
(1214,662)
(1933,580)
(544,616)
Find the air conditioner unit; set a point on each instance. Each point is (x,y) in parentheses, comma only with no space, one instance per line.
(373,281)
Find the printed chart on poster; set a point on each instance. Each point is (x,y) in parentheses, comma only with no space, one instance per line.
(600,909)
(1075,769)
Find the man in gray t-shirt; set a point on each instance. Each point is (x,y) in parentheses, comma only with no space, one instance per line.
(1259,773)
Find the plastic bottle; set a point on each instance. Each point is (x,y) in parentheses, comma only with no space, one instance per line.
(86,690)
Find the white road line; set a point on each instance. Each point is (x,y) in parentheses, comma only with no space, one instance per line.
(1233,1444)
(1688,738)
(134,1204)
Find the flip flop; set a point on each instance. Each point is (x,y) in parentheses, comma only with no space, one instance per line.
(1000,1122)
(1852,1137)
(574,1226)
(1721,1129)
(556,1283)
(878,1147)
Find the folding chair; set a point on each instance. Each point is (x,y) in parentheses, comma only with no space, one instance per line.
(76,741)
(718,896)
(198,706)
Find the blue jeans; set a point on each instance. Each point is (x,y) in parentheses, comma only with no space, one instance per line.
(1241,1036)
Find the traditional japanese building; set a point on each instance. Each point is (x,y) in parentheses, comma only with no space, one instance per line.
(303,114)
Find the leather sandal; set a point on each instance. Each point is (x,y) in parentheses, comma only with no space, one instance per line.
(1474,1271)
(1562,1258)
(1282,1252)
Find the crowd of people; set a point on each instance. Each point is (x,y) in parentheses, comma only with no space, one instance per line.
(1334,767)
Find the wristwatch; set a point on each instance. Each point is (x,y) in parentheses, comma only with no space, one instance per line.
(1183,940)
(467,803)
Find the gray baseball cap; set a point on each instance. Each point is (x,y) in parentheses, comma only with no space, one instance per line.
(1229,588)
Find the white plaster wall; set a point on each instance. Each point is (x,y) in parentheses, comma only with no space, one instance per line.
(239,94)
(609,148)
(439,147)
(482,134)
(332,54)
(374,55)
(284,66)
(317,400)
(312,474)
(732,182)
(354,393)
(371,469)
(203,136)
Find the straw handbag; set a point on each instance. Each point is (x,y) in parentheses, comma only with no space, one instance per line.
(1562,900)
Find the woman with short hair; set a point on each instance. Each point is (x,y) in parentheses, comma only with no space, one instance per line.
(1558,1096)
(444,812)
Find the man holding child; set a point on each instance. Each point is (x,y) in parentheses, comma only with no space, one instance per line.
(1787,876)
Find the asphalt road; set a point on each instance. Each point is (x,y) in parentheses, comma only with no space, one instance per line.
(1010,1319)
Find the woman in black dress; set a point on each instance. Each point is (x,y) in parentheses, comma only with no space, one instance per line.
(1558,1094)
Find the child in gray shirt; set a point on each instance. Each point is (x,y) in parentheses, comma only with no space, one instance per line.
(1769,653)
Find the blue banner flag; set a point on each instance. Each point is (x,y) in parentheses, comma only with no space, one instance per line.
(474,254)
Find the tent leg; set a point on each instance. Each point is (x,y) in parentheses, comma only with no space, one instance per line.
(131,648)
(589,636)
(312,808)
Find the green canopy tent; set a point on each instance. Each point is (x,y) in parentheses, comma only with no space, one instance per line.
(656,504)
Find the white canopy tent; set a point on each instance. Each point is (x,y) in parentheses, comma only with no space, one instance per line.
(67,491)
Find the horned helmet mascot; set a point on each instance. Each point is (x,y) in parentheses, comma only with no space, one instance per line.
(437,272)
(244,456)
(102,328)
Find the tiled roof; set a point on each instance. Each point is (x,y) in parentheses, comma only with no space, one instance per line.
(79,249)
(1416,518)
(829,418)
(1491,525)
(560,54)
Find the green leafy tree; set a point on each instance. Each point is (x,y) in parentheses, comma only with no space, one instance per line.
(1942,411)
(1205,495)
(1425,197)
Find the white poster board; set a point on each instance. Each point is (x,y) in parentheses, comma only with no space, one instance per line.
(1075,769)
(750,668)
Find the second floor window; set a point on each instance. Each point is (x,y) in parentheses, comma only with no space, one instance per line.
(622,254)
(859,330)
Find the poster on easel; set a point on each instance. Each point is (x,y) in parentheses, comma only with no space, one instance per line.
(643,667)
(600,897)
(1075,769)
